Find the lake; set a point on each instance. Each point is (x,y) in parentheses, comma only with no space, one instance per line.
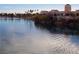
(21,36)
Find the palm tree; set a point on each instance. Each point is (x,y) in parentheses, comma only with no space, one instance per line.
(31,11)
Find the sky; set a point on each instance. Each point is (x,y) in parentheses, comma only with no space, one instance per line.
(20,8)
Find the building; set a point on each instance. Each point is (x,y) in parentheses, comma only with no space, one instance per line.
(54,12)
(77,12)
(67,8)
(44,12)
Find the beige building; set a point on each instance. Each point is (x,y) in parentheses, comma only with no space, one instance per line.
(67,8)
(44,12)
(54,12)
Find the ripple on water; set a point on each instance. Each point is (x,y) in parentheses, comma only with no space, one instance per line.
(22,37)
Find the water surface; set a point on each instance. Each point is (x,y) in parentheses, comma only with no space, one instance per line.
(22,36)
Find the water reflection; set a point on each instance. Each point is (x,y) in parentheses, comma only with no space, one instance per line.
(58,30)
(23,36)
(75,39)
